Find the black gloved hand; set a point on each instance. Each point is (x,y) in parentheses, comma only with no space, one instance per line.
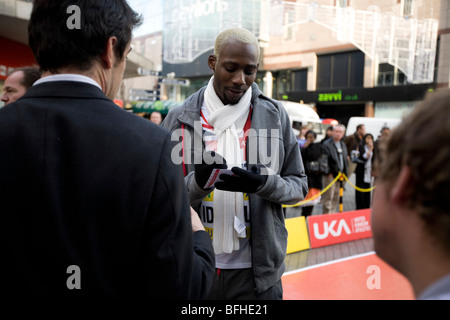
(248,181)
(210,160)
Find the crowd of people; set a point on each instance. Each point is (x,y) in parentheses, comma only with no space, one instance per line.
(95,201)
(340,153)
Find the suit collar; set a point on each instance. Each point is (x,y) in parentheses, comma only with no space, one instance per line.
(65,89)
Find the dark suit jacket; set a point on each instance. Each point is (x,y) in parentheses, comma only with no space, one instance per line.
(333,156)
(85,183)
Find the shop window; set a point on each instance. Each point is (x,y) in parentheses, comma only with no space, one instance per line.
(388,75)
(299,80)
(407,8)
(286,81)
(342,3)
(340,70)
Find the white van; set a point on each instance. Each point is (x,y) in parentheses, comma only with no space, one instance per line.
(372,125)
(301,114)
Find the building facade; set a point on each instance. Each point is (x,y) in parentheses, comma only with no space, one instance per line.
(310,62)
(328,52)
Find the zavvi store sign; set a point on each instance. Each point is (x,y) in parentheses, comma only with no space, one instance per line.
(361,95)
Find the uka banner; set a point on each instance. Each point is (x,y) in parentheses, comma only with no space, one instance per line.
(336,228)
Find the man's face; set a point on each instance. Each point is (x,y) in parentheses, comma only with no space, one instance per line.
(156,117)
(362,131)
(338,133)
(234,71)
(13,88)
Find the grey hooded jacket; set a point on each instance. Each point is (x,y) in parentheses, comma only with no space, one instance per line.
(271,142)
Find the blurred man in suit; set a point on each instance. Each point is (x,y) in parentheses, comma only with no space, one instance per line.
(336,150)
(90,205)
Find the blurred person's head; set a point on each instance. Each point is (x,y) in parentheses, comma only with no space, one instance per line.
(384,132)
(18,82)
(361,130)
(411,214)
(303,129)
(329,132)
(368,139)
(235,62)
(98,48)
(338,132)
(311,136)
(156,117)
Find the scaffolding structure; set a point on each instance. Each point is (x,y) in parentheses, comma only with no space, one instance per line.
(191,26)
(408,44)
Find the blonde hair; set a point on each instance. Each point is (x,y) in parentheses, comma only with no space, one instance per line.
(239,34)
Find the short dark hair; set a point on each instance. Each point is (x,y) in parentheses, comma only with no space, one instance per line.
(311,132)
(30,76)
(55,45)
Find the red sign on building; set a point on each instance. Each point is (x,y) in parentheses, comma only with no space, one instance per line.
(14,55)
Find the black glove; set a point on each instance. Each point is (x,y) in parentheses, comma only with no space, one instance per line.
(248,181)
(210,160)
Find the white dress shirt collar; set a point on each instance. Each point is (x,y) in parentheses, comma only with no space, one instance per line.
(68,77)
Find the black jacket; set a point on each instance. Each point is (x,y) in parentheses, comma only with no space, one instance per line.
(333,157)
(84,183)
(312,153)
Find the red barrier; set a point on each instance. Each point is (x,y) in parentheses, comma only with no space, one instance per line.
(328,229)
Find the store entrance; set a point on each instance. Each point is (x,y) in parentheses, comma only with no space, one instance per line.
(341,112)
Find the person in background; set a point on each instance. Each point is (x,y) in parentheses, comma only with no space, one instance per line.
(156,117)
(410,210)
(301,139)
(18,82)
(336,151)
(328,134)
(353,143)
(377,151)
(243,212)
(91,206)
(311,155)
(363,172)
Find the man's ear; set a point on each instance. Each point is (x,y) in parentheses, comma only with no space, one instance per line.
(212,59)
(108,56)
(399,191)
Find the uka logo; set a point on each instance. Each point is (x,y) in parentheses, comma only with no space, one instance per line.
(330,229)
(335,228)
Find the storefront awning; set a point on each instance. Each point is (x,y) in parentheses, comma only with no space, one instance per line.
(162,106)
